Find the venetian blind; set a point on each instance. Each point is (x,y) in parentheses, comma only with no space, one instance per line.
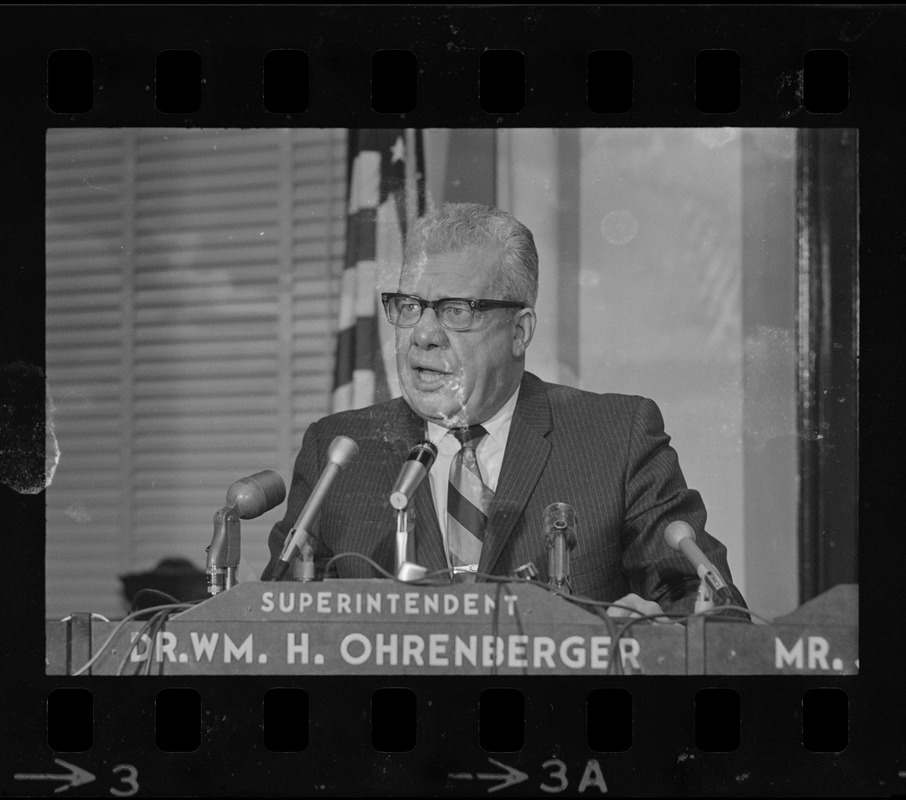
(191,313)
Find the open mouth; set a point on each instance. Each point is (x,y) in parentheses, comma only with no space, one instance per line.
(427,376)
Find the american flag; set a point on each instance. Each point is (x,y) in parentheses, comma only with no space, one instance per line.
(386,193)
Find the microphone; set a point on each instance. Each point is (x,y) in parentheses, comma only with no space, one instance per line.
(247,498)
(340,454)
(560,537)
(415,467)
(681,537)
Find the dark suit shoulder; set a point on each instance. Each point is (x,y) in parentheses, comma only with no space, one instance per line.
(569,397)
(569,394)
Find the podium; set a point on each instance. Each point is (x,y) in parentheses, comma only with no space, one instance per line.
(380,627)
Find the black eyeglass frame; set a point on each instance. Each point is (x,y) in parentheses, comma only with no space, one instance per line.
(473,304)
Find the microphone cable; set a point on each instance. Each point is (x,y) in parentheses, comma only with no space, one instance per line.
(172,607)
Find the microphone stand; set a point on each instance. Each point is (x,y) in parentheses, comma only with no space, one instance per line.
(304,564)
(406,568)
(559,520)
(704,601)
(223,551)
(558,558)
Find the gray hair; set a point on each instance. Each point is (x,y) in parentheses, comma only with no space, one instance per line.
(460,226)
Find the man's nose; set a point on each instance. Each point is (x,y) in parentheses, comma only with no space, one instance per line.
(428,332)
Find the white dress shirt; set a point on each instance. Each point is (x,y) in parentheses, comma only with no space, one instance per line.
(489,454)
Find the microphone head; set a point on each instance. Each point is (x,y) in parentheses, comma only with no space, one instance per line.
(415,467)
(342,451)
(257,493)
(424,453)
(560,517)
(676,531)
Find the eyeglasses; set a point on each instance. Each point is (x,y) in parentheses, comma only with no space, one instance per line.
(455,313)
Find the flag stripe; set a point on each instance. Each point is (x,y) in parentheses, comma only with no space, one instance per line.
(343,366)
(361,242)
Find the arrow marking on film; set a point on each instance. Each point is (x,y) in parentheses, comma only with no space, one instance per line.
(76,776)
(511,777)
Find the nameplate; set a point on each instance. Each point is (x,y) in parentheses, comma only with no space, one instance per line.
(379,627)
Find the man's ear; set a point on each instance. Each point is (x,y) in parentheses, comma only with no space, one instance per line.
(523,330)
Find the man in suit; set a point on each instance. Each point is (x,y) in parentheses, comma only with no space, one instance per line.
(464,317)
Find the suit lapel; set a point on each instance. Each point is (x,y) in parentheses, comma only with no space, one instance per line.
(409,429)
(527,451)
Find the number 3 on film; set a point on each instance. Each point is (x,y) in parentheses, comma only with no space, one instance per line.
(591,777)
(129,779)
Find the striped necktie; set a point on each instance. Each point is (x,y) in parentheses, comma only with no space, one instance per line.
(468,504)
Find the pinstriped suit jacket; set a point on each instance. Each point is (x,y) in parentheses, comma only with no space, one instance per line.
(607,455)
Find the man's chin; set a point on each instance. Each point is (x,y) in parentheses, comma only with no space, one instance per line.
(435,405)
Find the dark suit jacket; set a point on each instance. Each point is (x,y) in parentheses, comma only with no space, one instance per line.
(607,455)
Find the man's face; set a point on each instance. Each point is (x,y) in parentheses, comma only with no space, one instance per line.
(457,378)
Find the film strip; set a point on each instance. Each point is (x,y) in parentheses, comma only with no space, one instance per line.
(694,733)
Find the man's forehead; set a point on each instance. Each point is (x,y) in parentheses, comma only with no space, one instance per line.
(472,265)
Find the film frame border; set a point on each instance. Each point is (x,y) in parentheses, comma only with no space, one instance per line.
(340,40)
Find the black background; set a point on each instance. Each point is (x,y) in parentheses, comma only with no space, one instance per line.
(340,41)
